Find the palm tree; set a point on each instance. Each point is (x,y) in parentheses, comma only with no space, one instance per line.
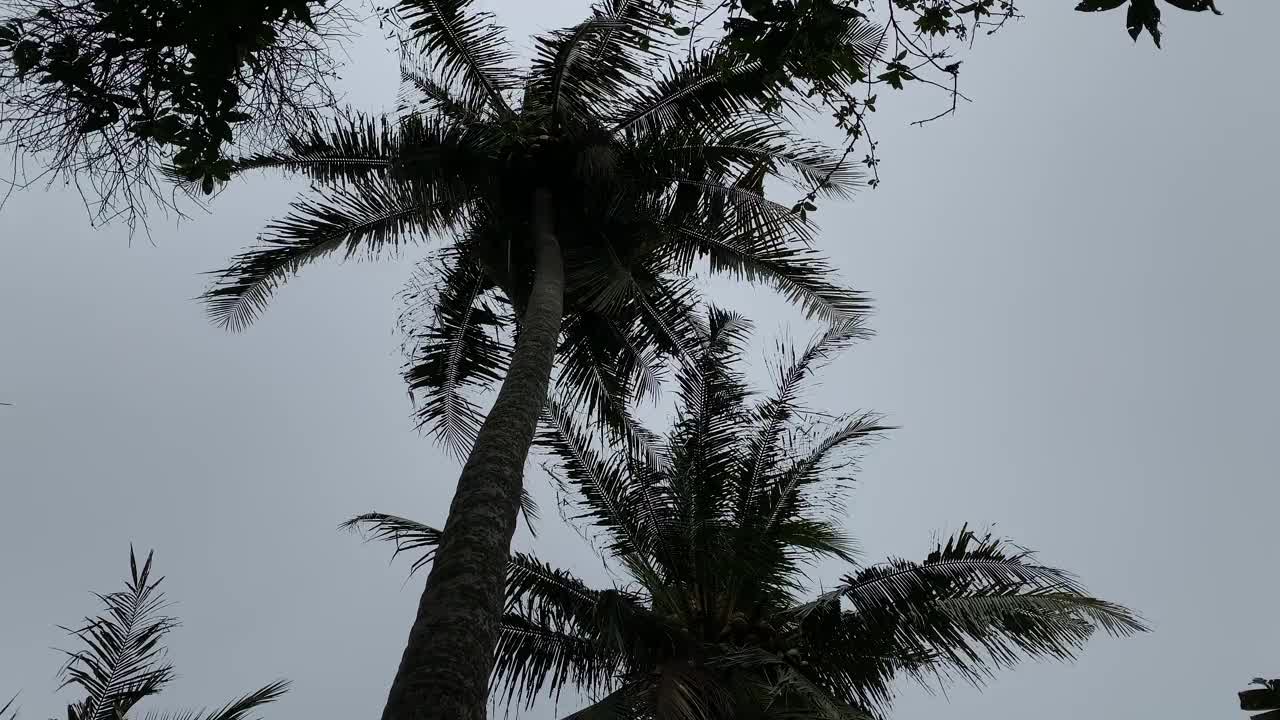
(714,542)
(123,659)
(576,199)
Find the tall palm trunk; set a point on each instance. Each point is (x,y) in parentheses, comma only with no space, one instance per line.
(444,673)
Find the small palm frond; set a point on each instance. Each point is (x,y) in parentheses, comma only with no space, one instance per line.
(600,368)
(710,391)
(775,688)
(407,535)
(706,440)
(782,494)
(749,141)
(606,488)
(366,216)
(456,347)
(742,206)
(465,47)
(776,411)
(866,40)
(533,656)
(798,697)
(9,711)
(684,690)
(242,708)
(583,71)
(973,605)
(564,79)
(814,537)
(1020,614)
(124,660)
(799,274)
(345,148)
(547,594)
(668,313)
(435,96)
(709,89)
(629,702)
(415,537)
(603,369)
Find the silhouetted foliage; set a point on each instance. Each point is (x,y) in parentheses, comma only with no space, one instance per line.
(122,660)
(99,92)
(1145,14)
(805,46)
(649,178)
(641,163)
(714,529)
(1265,697)
(102,91)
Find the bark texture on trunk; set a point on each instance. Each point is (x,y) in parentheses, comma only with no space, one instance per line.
(444,672)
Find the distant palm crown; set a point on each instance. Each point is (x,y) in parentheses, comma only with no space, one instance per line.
(654,161)
(714,527)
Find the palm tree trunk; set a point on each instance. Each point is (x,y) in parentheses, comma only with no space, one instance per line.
(444,672)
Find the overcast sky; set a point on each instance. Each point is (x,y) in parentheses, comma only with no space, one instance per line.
(1076,318)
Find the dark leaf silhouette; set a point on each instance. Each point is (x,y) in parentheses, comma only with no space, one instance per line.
(714,544)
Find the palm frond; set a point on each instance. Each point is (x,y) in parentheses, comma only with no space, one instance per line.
(973,606)
(775,688)
(775,411)
(815,537)
(9,711)
(560,62)
(684,690)
(1019,613)
(583,72)
(345,148)
(436,96)
(711,394)
(455,347)
(366,216)
(532,656)
(709,89)
(412,536)
(600,367)
(603,369)
(242,708)
(123,660)
(799,274)
(782,494)
(747,209)
(407,535)
(465,47)
(667,312)
(548,595)
(865,40)
(606,488)
(625,703)
(750,140)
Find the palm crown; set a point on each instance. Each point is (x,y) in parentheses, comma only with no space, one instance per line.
(577,195)
(652,161)
(715,538)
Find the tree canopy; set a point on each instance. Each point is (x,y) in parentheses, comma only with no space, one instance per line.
(714,531)
(105,92)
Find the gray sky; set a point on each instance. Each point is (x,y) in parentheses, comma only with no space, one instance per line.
(1076,332)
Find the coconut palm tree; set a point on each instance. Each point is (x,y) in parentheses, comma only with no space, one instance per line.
(122,660)
(714,619)
(574,200)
